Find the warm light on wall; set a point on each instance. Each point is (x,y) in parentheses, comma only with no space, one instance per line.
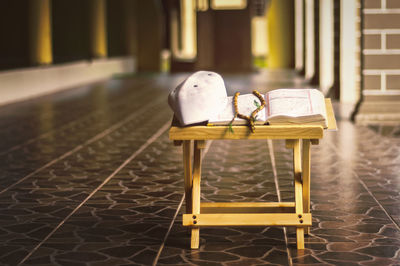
(310,38)
(202,5)
(187,35)
(348,49)
(281,34)
(259,44)
(98,28)
(228,4)
(299,34)
(326,45)
(188,18)
(175,33)
(40,32)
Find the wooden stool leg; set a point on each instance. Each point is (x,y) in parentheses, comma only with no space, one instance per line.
(306,158)
(187,166)
(298,190)
(196,193)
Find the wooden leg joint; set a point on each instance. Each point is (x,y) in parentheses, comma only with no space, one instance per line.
(289,143)
(200,144)
(178,142)
(194,219)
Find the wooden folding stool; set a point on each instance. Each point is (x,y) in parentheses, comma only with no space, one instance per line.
(299,138)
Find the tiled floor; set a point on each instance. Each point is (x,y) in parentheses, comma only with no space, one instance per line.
(89,177)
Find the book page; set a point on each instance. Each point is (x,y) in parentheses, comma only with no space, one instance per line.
(318,103)
(296,106)
(289,102)
(307,104)
(246,105)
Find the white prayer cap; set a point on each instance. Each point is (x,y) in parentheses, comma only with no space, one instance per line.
(198,97)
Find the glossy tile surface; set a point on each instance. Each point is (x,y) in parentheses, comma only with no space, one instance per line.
(89,177)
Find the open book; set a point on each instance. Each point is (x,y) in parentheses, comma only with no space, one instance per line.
(283,106)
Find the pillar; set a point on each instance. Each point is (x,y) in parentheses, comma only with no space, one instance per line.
(326,44)
(299,35)
(40,43)
(121,28)
(71,30)
(315,80)
(149,15)
(309,39)
(334,91)
(348,48)
(130,27)
(232,40)
(98,30)
(281,34)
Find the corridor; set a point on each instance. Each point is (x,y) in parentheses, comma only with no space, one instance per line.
(89,177)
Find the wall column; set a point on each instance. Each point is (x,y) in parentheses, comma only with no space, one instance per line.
(121,28)
(309,39)
(348,45)
(98,30)
(315,79)
(326,44)
(281,34)
(380,63)
(130,27)
(299,35)
(334,91)
(150,26)
(40,39)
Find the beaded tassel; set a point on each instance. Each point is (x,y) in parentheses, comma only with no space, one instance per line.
(250,119)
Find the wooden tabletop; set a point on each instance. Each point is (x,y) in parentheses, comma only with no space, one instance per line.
(330,115)
(204,132)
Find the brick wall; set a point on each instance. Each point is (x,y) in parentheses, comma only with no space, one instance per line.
(358,46)
(381,47)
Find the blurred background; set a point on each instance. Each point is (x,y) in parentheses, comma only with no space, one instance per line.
(89,176)
(349,49)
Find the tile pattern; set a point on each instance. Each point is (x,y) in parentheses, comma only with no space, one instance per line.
(125,222)
(232,171)
(349,225)
(61,148)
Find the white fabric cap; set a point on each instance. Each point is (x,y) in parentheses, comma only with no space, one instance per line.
(198,98)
